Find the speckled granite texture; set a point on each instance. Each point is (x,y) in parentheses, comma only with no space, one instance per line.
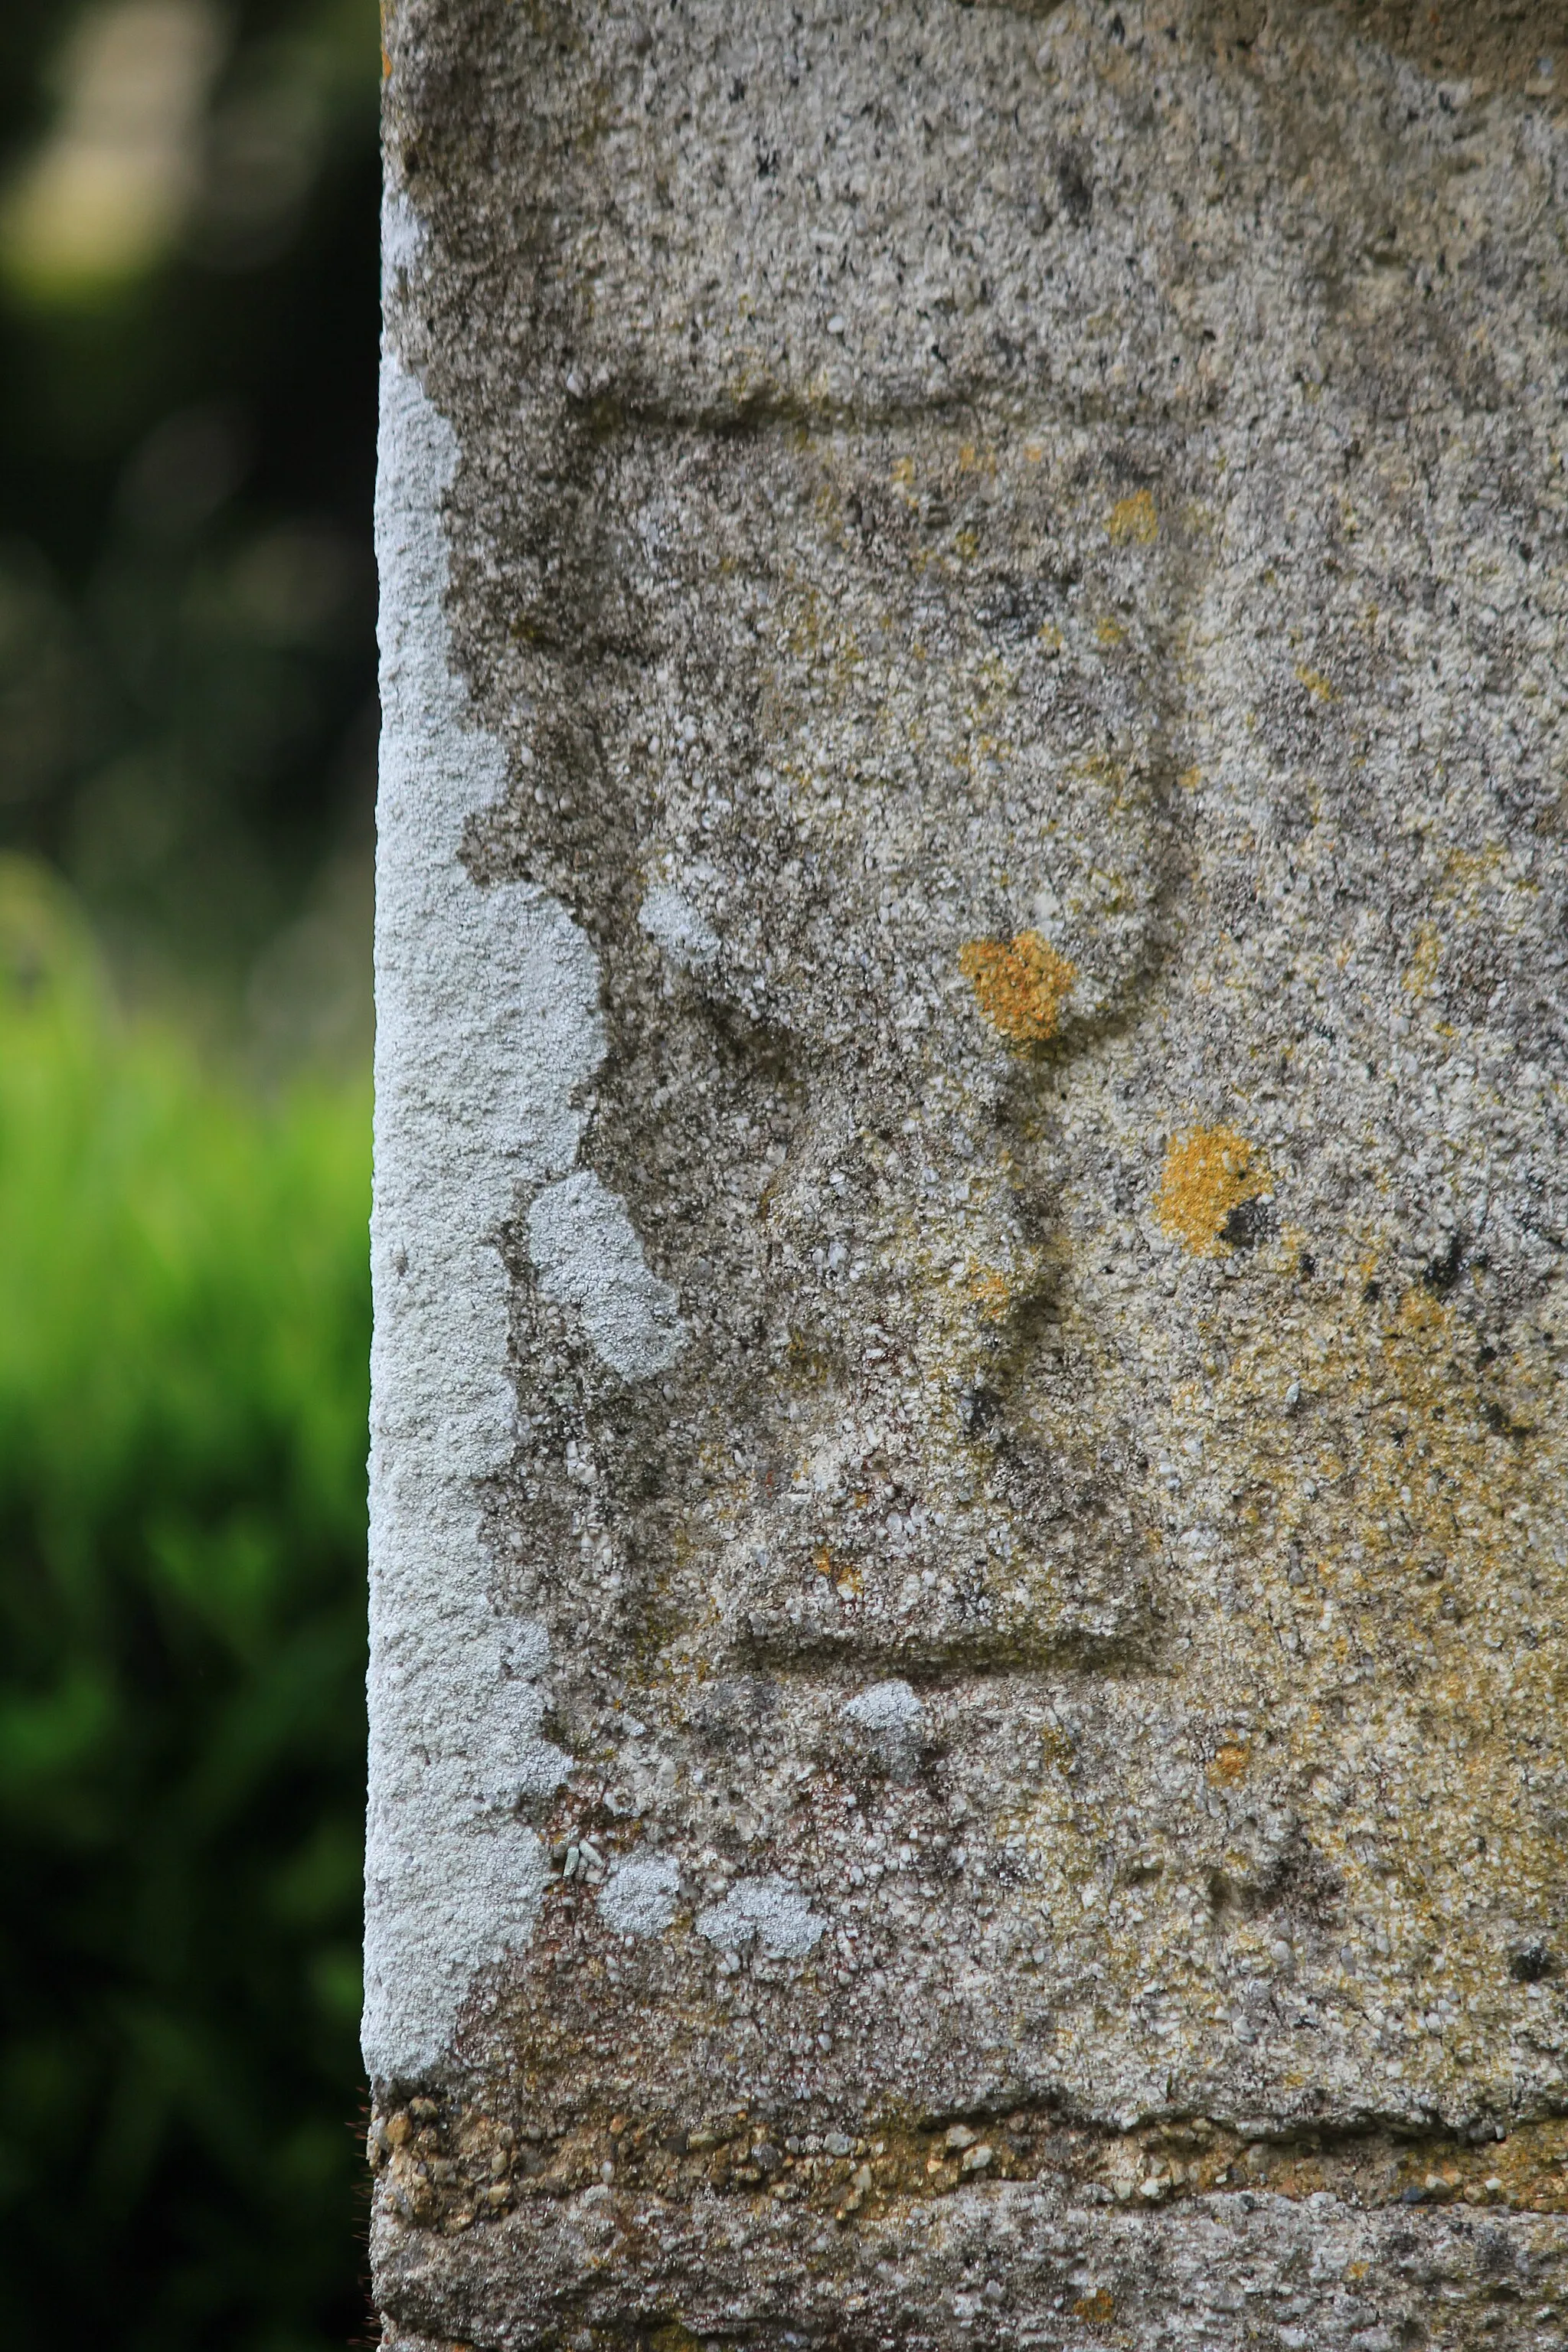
(970,1606)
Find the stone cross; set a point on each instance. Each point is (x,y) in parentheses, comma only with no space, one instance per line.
(969,1615)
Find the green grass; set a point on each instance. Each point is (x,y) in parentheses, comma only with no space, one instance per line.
(183,1334)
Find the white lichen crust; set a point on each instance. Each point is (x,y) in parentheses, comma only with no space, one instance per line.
(487,1029)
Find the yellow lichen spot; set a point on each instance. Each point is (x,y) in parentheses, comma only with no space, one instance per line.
(1133,521)
(903,469)
(1019,985)
(1423,962)
(1190,778)
(966,457)
(1230,1763)
(1050,636)
(1207,1175)
(1033,452)
(1320,688)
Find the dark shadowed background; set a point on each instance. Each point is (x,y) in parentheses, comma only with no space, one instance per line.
(187,724)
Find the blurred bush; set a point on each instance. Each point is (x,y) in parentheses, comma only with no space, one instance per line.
(188,207)
(183,1334)
(188,210)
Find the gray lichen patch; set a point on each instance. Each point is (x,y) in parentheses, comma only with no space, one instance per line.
(679,928)
(888,1722)
(641,1897)
(768,1912)
(589,1257)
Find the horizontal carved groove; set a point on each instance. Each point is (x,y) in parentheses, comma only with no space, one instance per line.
(1366,2163)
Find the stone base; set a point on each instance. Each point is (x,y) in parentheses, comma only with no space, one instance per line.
(1015,2265)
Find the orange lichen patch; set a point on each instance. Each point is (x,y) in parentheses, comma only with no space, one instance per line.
(1437,1459)
(1207,1174)
(1133,520)
(1396,1490)
(991,1294)
(1099,2308)
(1019,986)
(842,1574)
(1230,1763)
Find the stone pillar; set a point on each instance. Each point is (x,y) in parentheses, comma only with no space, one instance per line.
(968,1537)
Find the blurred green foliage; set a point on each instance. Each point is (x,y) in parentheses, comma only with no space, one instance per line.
(184,1336)
(188,207)
(188,210)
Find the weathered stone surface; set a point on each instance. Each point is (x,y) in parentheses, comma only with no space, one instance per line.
(970,1571)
